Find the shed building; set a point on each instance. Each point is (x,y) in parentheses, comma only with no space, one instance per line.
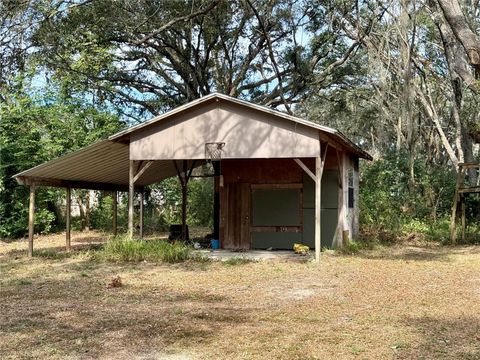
(279,179)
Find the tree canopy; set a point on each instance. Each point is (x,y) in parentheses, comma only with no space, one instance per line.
(400,77)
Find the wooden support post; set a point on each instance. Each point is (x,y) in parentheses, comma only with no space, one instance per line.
(305,168)
(216,200)
(141,214)
(130,198)
(68,212)
(184,201)
(453,220)
(114,212)
(318,210)
(31,220)
(346,221)
(462,202)
(184,177)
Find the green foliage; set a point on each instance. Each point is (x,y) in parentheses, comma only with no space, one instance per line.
(200,205)
(167,196)
(157,250)
(32,132)
(390,202)
(351,247)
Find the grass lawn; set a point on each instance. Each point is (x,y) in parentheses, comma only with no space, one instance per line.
(401,302)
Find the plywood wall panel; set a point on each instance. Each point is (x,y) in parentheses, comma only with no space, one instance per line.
(247,133)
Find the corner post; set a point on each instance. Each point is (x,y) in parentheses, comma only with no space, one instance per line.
(318,210)
(462,206)
(31,220)
(184,201)
(68,212)
(114,213)
(216,200)
(141,213)
(131,175)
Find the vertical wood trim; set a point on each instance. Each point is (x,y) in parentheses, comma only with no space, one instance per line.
(341,208)
(114,212)
(245,210)
(224,240)
(345,210)
(318,210)
(356,199)
(68,214)
(130,198)
(141,214)
(216,200)
(31,220)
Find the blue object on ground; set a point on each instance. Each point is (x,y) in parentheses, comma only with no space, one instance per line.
(215,244)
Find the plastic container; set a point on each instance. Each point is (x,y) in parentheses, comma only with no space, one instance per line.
(215,244)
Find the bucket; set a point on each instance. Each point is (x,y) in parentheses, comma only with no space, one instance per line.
(215,244)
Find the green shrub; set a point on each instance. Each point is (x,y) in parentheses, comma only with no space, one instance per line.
(391,203)
(122,249)
(351,247)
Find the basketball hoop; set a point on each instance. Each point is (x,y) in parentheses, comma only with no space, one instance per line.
(213,151)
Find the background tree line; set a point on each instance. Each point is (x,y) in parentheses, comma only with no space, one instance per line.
(399,77)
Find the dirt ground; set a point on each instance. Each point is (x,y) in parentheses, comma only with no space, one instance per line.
(398,302)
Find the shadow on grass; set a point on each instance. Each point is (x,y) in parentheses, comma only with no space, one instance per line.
(443,339)
(406,254)
(82,317)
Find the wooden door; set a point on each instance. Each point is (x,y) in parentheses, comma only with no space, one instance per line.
(235,208)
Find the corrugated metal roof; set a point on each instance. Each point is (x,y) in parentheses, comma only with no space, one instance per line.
(102,165)
(105,164)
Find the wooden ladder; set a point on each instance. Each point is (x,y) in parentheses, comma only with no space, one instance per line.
(461,191)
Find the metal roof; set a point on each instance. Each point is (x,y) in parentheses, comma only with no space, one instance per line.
(104,165)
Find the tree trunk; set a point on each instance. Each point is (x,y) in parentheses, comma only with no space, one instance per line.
(458,23)
(87,211)
(81,208)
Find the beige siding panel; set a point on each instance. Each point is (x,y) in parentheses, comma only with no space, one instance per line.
(248,133)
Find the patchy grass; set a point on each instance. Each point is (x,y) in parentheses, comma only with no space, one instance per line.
(124,249)
(405,302)
(237,260)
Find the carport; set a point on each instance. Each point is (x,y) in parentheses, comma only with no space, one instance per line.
(270,168)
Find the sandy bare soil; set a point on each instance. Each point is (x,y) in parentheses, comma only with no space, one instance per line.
(397,302)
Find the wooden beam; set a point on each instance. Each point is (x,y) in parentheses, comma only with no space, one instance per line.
(270,229)
(324,156)
(31,220)
(23,180)
(142,170)
(68,212)
(277,186)
(305,168)
(141,214)
(471,165)
(470,189)
(179,173)
(130,198)
(114,212)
